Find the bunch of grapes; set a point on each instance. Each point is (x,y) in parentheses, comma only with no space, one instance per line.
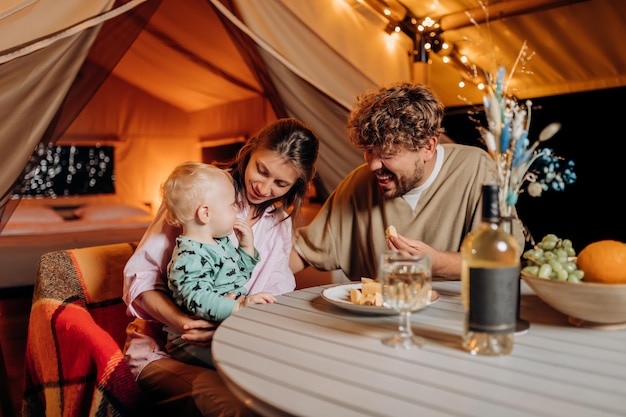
(553,258)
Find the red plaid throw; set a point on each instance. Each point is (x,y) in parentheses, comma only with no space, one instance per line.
(74,362)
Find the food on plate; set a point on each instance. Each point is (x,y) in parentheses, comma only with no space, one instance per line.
(370,286)
(370,294)
(355,296)
(553,258)
(604,261)
(391,231)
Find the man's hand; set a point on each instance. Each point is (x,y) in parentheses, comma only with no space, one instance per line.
(412,246)
(444,264)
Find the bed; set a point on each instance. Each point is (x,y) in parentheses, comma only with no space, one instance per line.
(34,230)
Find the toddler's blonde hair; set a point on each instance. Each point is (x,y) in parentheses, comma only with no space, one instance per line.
(186,189)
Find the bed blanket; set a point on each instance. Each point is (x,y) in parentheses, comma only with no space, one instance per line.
(74,364)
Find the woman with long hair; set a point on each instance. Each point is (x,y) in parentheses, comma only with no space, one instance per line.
(271,174)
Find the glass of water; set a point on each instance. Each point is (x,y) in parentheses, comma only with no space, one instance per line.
(407,286)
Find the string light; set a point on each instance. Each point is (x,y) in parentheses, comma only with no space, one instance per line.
(55,171)
(425,33)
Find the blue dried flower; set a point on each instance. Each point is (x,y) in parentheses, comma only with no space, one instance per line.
(519,163)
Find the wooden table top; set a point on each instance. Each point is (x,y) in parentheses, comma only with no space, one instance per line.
(303,356)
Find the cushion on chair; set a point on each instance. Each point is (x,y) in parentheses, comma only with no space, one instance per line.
(74,363)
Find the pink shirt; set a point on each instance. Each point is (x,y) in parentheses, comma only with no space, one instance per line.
(147,267)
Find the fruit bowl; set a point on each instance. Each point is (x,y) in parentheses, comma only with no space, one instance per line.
(587,304)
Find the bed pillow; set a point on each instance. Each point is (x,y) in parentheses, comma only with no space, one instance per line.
(109,212)
(35,214)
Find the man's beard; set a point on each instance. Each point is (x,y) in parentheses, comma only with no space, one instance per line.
(402,184)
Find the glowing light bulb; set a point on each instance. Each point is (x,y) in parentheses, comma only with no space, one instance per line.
(428,22)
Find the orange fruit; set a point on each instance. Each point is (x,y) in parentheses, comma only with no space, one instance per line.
(603,261)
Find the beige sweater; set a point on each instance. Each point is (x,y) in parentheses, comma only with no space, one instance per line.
(348,233)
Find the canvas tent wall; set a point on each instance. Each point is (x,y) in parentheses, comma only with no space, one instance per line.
(137,122)
(161,100)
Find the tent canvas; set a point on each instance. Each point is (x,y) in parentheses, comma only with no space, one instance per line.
(183,84)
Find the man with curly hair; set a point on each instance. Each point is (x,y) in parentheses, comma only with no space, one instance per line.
(430,192)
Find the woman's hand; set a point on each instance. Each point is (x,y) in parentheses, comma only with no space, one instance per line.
(198,332)
(161,307)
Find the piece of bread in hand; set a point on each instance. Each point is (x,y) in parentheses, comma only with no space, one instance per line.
(391,232)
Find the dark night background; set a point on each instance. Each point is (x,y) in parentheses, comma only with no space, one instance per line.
(591,209)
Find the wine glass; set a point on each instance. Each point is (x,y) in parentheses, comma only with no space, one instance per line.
(407,286)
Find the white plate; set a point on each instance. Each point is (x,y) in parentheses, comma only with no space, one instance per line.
(339,295)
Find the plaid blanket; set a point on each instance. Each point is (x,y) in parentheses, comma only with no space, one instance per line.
(74,365)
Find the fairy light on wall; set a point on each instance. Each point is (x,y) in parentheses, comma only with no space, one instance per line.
(57,171)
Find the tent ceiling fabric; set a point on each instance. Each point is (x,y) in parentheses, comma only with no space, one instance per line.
(38,19)
(576,48)
(186,60)
(210,73)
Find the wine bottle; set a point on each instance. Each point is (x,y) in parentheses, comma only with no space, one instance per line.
(490,276)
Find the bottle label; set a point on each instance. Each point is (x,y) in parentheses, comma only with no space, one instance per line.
(493,295)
